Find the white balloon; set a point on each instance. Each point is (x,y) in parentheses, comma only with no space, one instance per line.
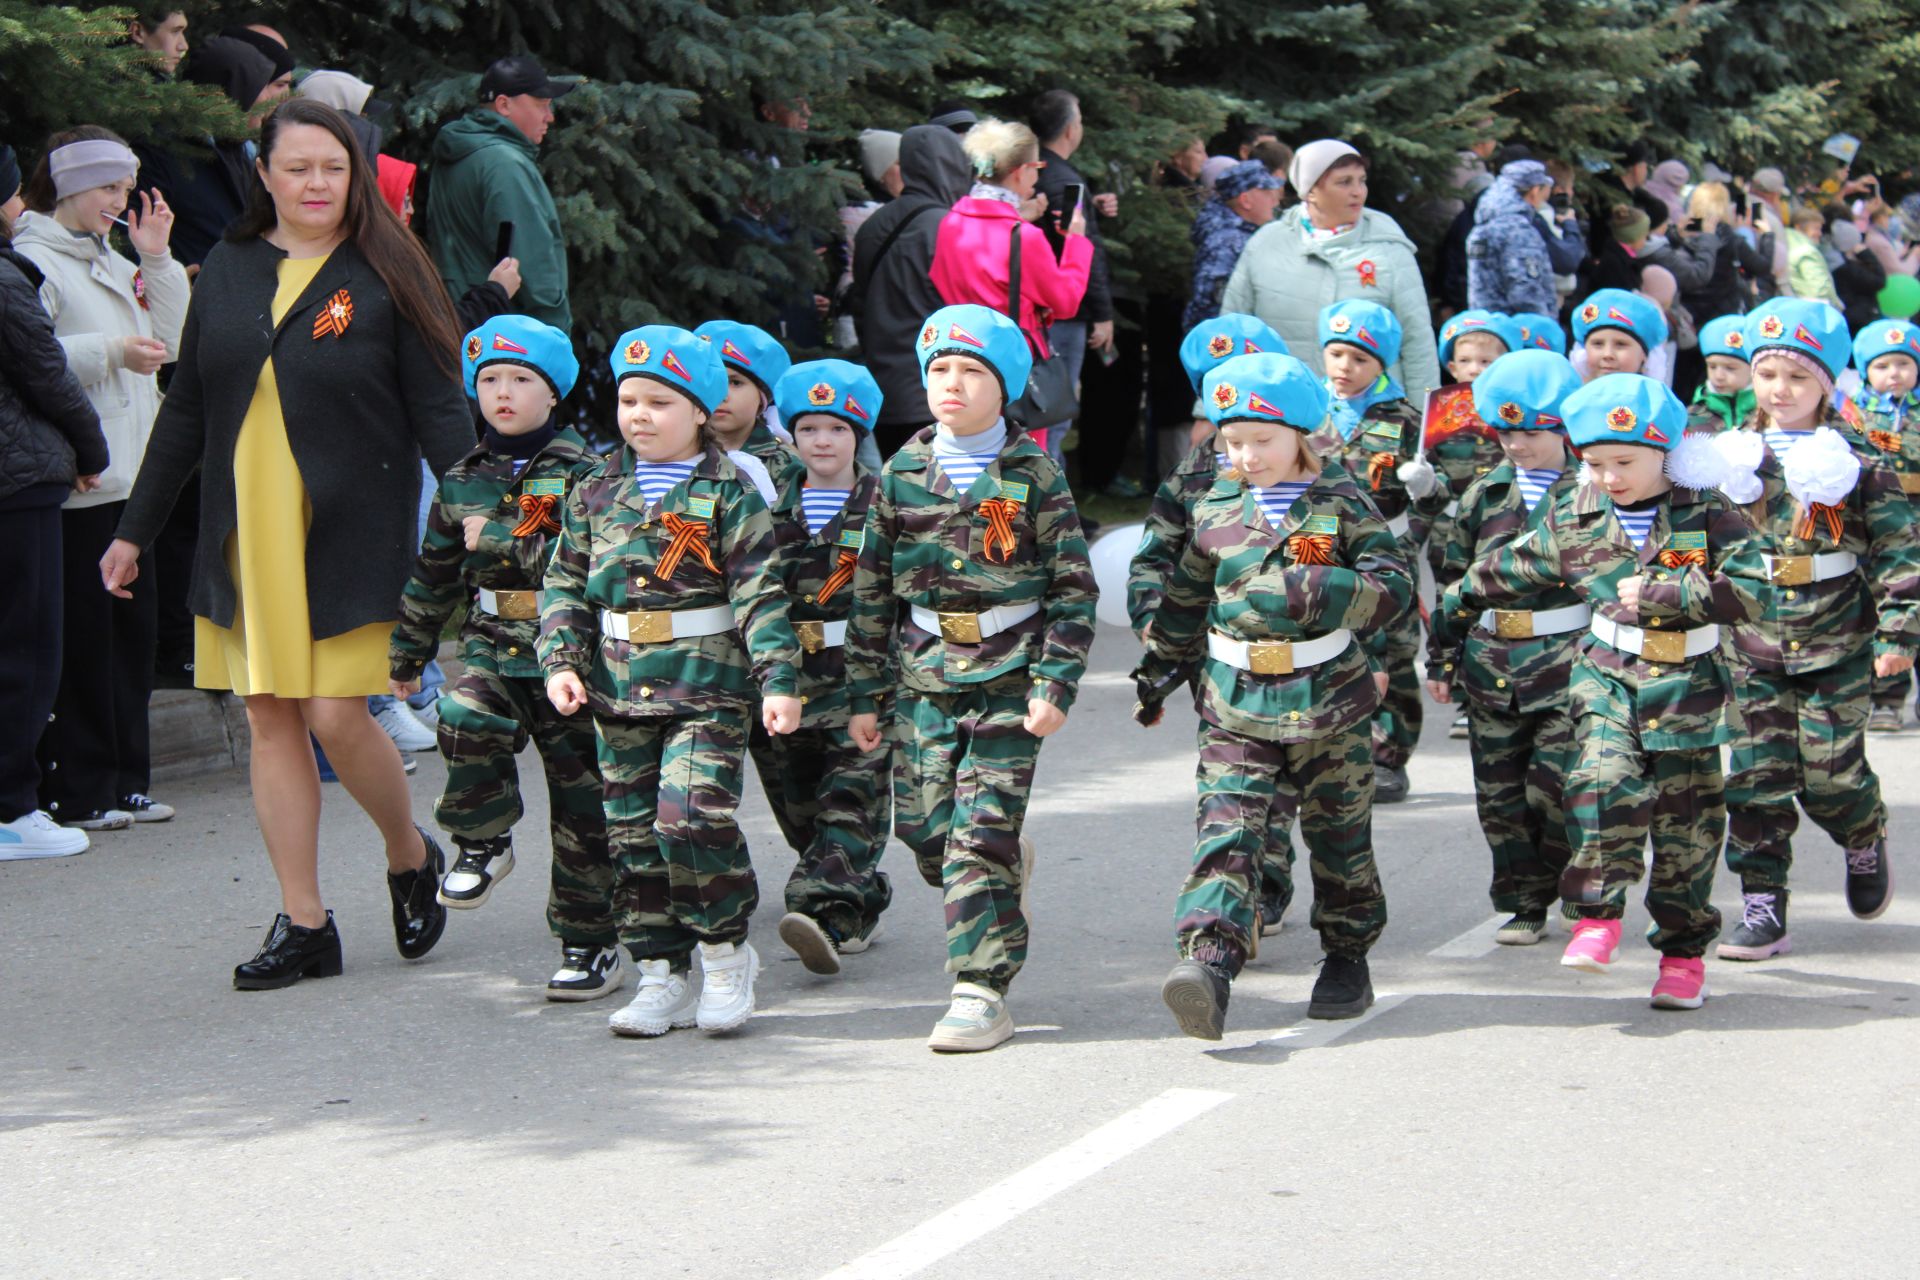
(1111,556)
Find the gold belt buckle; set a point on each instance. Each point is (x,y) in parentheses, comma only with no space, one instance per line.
(517,606)
(1910,482)
(649,626)
(812,635)
(960,628)
(1792,571)
(1270,658)
(1513,624)
(1664,646)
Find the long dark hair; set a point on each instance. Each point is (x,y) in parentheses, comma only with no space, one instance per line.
(39,193)
(373,228)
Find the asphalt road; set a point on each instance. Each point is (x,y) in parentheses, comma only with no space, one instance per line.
(1495,1115)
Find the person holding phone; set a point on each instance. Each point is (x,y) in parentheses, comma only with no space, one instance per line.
(1056,121)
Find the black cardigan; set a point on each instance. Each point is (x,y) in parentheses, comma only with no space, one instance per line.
(361,408)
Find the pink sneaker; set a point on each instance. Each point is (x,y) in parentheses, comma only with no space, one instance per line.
(1593,945)
(1682,985)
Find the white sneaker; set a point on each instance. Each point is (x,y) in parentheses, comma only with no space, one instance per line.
(976,1020)
(663,1002)
(35,835)
(397,720)
(145,808)
(103,820)
(428,715)
(726,985)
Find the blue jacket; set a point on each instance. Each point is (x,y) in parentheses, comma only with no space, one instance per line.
(1219,234)
(1507,264)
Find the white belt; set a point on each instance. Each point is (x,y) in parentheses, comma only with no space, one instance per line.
(1452,509)
(514,607)
(815,636)
(1277,657)
(1657,646)
(657,626)
(1398,525)
(1526,624)
(1798,571)
(972,628)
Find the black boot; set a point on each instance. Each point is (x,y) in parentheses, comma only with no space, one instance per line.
(1343,990)
(289,954)
(1869,880)
(1197,993)
(1762,931)
(418,917)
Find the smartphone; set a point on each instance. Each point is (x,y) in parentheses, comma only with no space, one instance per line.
(1071,197)
(1693,226)
(503,242)
(1561,200)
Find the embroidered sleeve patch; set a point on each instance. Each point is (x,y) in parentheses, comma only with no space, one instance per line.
(545,488)
(700,508)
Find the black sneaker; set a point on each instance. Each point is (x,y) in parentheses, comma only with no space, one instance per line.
(1869,880)
(1460,728)
(469,882)
(816,944)
(1389,784)
(587,973)
(1343,990)
(1762,931)
(1273,908)
(1197,994)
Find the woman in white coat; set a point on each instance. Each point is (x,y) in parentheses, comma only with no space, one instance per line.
(119,322)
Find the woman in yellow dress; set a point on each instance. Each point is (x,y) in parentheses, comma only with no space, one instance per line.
(318,364)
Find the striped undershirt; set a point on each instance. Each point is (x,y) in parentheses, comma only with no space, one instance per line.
(1638,524)
(1534,485)
(962,458)
(657,479)
(1275,499)
(1782,442)
(818,507)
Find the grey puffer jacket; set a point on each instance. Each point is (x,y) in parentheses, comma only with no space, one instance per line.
(49,432)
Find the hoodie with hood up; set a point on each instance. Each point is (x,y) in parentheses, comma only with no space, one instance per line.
(207,192)
(486,172)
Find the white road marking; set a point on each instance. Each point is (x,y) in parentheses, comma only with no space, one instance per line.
(989,1210)
(1313,1033)
(1471,945)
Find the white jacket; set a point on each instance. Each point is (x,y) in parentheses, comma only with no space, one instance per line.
(90,293)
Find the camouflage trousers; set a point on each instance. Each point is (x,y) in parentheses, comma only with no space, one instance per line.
(1520,762)
(1806,740)
(962,773)
(1618,795)
(1892,691)
(486,719)
(830,799)
(1250,788)
(1397,721)
(682,874)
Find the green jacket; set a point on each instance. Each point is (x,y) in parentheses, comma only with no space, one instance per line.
(927,545)
(808,565)
(485,172)
(1240,576)
(610,555)
(447,574)
(1807,273)
(1711,413)
(1169,520)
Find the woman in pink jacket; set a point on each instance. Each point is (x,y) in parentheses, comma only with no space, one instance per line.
(972,254)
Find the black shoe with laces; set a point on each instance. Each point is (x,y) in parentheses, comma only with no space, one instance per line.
(479,866)
(1869,880)
(1197,993)
(1762,931)
(289,954)
(815,942)
(587,973)
(1344,988)
(418,917)
(1273,906)
(1389,784)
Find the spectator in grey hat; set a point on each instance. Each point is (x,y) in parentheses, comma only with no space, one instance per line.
(1508,269)
(1245,198)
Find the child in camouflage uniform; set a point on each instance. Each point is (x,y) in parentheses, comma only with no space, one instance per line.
(1287,559)
(1887,353)
(973,605)
(1663,565)
(1837,537)
(1170,520)
(1617,331)
(1374,434)
(830,797)
(663,616)
(754,361)
(1725,400)
(486,547)
(1513,665)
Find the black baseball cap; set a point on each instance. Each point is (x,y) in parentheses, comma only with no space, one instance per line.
(520,74)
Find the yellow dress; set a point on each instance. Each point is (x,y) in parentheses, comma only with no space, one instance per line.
(270,647)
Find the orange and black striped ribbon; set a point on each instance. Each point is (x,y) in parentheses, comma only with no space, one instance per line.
(1311,548)
(336,313)
(1000,513)
(842,574)
(1678,559)
(536,515)
(1377,469)
(1820,513)
(1885,441)
(688,535)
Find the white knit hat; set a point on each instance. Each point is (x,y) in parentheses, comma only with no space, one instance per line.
(338,89)
(1313,160)
(879,151)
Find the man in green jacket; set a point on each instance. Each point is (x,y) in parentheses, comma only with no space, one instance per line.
(485,174)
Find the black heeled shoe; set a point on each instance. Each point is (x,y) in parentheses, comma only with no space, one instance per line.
(418,917)
(289,954)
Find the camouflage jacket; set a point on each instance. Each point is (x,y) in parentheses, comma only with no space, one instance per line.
(927,545)
(446,574)
(1388,435)
(1169,520)
(1805,626)
(1463,458)
(1519,675)
(816,571)
(782,460)
(609,557)
(1240,576)
(1679,707)
(1885,431)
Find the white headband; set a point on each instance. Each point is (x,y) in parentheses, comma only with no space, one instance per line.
(82,166)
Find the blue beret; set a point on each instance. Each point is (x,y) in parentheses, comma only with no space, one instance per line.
(838,388)
(676,357)
(985,335)
(524,341)
(1224,337)
(1886,338)
(1541,332)
(1724,336)
(1800,324)
(1270,388)
(1619,309)
(1625,408)
(1366,325)
(1478,321)
(1525,391)
(751,350)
